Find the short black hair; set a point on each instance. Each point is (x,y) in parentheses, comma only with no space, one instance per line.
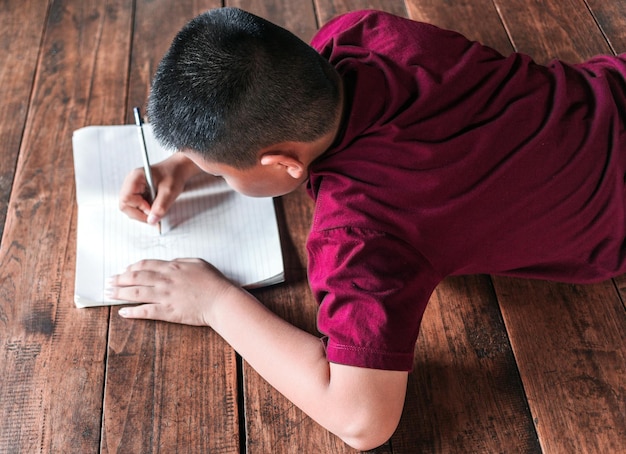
(233,83)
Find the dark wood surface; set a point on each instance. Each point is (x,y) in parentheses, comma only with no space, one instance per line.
(502,365)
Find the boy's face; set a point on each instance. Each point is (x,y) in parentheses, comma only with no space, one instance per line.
(257,181)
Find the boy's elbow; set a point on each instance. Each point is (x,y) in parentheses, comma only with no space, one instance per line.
(370,435)
(369,405)
(367,442)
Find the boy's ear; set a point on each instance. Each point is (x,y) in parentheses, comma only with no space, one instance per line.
(294,167)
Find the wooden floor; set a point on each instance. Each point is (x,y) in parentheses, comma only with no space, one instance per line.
(502,365)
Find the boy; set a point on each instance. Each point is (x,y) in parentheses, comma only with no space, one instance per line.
(427,155)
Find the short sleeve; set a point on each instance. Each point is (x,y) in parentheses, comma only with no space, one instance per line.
(372,289)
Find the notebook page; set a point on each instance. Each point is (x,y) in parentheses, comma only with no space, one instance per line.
(237,234)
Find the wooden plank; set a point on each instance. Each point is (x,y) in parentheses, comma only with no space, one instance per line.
(52,358)
(477,20)
(620,283)
(168,387)
(563,29)
(327,9)
(569,340)
(273,424)
(570,344)
(150,43)
(21,28)
(465,393)
(611,17)
(294,212)
(296,16)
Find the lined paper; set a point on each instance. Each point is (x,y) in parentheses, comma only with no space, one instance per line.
(237,234)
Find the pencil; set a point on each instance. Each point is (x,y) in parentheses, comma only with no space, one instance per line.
(146,159)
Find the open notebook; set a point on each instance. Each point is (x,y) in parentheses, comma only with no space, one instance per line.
(237,234)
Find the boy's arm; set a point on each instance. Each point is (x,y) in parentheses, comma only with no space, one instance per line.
(361,406)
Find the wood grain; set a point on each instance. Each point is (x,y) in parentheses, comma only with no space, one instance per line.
(21,29)
(296,16)
(167,386)
(547,30)
(156,24)
(327,9)
(52,354)
(571,358)
(477,20)
(570,345)
(611,18)
(465,394)
(294,212)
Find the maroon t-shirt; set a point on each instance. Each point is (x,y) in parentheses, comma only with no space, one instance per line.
(453,159)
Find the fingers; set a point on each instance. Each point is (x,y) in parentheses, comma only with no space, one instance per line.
(144,311)
(143,287)
(163,312)
(178,291)
(142,282)
(147,281)
(132,291)
(169,177)
(164,199)
(131,200)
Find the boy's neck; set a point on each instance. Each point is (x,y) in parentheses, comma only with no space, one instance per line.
(321,145)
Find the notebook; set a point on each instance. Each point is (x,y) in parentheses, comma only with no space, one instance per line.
(237,234)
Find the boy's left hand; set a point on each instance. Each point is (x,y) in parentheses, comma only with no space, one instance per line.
(177,291)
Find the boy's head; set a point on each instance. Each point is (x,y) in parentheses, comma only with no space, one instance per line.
(233,83)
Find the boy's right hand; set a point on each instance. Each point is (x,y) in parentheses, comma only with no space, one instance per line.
(170,177)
